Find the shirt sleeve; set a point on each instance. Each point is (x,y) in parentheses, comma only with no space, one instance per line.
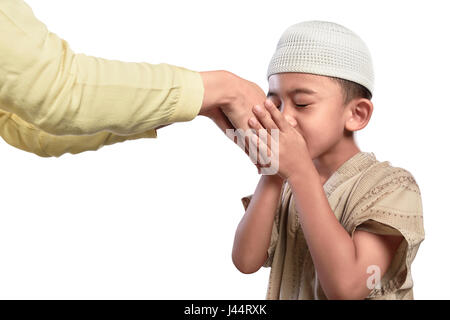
(393,207)
(63,93)
(25,136)
(275,227)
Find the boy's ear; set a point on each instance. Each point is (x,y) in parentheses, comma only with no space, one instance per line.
(358,114)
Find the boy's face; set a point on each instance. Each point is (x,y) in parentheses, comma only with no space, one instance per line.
(315,103)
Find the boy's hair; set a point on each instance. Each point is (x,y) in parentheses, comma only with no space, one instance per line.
(351,90)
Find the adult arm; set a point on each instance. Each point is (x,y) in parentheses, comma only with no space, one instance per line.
(49,86)
(63,93)
(25,136)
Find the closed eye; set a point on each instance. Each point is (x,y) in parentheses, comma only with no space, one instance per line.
(301,105)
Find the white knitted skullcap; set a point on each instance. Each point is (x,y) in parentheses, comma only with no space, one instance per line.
(323,48)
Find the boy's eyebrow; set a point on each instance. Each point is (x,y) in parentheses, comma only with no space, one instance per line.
(296,90)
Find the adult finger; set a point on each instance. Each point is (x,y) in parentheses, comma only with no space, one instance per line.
(221,120)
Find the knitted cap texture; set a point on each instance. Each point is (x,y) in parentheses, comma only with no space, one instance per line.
(323,48)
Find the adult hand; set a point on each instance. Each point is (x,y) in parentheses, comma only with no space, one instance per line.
(228,101)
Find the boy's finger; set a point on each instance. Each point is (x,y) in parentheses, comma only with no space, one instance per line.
(276,115)
(291,121)
(254,124)
(263,152)
(263,142)
(264,117)
(255,143)
(262,133)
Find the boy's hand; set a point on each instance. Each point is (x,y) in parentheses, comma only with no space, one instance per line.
(291,149)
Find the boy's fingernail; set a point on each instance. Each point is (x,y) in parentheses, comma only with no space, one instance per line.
(291,120)
(252,121)
(258,108)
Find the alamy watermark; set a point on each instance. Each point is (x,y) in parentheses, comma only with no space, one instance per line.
(258,147)
(373,281)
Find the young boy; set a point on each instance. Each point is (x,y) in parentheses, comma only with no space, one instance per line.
(334,222)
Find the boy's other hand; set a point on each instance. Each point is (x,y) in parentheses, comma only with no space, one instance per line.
(291,149)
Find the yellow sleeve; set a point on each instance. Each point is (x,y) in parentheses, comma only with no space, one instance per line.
(25,136)
(46,84)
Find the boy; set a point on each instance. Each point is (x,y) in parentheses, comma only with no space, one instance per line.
(334,222)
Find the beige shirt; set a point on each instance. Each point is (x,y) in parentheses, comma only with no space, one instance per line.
(364,194)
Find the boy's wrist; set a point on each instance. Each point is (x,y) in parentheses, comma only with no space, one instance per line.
(274,178)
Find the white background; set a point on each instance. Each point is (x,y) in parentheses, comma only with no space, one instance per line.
(155,218)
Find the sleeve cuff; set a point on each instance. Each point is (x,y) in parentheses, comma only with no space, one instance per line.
(191,96)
